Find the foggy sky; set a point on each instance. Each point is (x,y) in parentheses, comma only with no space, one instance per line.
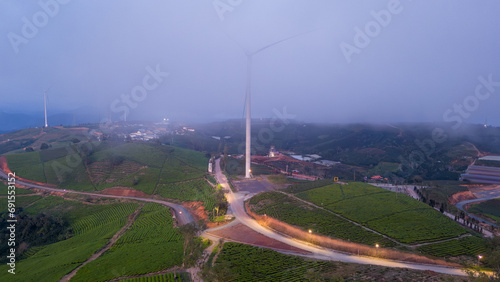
(420,63)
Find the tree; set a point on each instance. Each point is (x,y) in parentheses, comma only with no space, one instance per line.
(117,160)
(193,247)
(135,181)
(44,146)
(492,257)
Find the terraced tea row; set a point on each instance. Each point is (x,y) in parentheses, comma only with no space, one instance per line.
(248,263)
(151,244)
(469,246)
(168,277)
(194,190)
(51,262)
(395,215)
(120,211)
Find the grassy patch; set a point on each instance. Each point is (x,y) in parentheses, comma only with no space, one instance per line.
(489,208)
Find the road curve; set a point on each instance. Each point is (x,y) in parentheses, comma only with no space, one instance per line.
(182,215)
(236,205)
(460,206)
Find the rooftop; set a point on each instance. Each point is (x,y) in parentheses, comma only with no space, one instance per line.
(490,158)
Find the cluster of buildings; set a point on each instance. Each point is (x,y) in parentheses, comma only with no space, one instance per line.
(144,135)
(183,130)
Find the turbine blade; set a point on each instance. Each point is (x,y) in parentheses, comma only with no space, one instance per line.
(282,40)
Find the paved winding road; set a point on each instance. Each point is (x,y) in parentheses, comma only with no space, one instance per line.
(461,205)
(236,206)
(183,216)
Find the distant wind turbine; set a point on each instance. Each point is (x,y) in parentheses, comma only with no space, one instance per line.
(248,92)
(45,104)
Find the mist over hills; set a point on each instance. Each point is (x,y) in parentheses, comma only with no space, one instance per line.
(15,121)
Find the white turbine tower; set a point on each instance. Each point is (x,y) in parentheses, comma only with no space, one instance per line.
(45,105)
(248,92)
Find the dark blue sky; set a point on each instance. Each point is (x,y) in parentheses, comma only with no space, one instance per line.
(369,61)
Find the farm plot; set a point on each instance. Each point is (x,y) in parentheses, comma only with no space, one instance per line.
(195,159)
(417,226)
(238,262)
(248,263)
(141,153)
(335,192)
(168,277)
(469,246)
(296,213)
(27,165)
(51,262)
(489,208)
(57,153)
(395,215)
(144,180)
(120,211)
(68,172)
(151,244)
(302,187)
(176,170)
(20,201)
(194,190)
(373,206)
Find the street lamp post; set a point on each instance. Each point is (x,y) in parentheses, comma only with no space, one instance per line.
(479,257)
(376,249)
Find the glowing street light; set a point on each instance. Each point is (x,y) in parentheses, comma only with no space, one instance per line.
(376,249)
(478,258)
(310,231)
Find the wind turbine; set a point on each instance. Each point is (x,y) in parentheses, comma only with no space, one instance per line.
(45,104)
(248,92)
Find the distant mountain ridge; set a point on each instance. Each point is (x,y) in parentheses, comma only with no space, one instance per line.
(16,121)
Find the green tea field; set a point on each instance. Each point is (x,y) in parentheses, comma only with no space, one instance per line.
(395,215)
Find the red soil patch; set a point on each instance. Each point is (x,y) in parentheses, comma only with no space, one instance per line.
(243,234)
(197,210)
(461,196)
(76,128)
(3,165)
(123,191)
